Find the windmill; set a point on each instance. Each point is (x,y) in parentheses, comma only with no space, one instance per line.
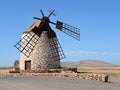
(39,46)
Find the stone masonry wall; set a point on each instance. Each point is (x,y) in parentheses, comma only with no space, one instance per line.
(42,56)
(98,77)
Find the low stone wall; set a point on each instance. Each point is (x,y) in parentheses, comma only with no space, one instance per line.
(69,74)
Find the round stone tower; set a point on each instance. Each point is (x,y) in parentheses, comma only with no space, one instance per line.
(45,54)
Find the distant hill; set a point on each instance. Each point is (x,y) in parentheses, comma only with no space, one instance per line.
(87,63)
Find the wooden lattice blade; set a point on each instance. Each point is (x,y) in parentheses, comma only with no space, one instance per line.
(42,13)
(56,47)
(68,29)
(27,43)
(60,50)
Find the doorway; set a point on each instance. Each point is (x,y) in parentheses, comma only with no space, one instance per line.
(28,65)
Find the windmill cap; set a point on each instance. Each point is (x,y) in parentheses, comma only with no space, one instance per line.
(35,24)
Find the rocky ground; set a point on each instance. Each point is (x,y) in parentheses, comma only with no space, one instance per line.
(54,83)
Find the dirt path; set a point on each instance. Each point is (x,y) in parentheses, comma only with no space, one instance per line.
(46,83)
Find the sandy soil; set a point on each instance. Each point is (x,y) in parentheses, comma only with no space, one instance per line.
(50,83)
(113,72)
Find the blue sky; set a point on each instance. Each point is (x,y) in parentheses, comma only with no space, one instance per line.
(98,20)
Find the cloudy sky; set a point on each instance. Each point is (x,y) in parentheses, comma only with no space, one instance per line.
(98,20)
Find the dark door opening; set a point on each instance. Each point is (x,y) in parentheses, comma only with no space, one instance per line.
(27,65)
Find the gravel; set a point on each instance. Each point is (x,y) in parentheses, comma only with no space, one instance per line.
(50,83)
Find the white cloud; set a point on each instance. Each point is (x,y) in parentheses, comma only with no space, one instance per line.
(91,53)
